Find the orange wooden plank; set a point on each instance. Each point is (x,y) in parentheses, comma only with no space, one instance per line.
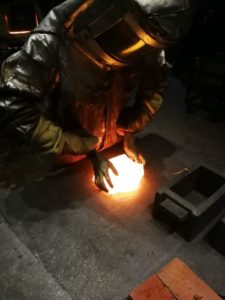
(151,289)
(184,283)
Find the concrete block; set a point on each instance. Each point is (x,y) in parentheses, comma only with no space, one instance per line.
(177,212)
(193,205)
(217,237)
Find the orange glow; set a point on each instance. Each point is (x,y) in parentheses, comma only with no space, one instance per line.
(36,19)
(133,48)
(130,175)
(14,32)
(19,32)
(146,38)
(78,12)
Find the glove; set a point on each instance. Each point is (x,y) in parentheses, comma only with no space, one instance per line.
(131,150)
(50,139)
(101,167)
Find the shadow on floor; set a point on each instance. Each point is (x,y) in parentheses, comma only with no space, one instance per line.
(156,149)
(71,188)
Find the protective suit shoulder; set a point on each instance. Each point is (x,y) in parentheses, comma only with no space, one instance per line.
(33,69)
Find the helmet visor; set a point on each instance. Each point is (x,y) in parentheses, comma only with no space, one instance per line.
(121,42)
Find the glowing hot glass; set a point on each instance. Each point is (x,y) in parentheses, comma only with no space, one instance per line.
(130,175)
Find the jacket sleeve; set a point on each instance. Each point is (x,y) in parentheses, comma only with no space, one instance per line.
(149,96)
(26,77)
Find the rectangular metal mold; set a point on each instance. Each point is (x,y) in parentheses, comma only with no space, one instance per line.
(193,205)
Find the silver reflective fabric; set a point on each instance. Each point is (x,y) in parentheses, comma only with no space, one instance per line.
(90,98)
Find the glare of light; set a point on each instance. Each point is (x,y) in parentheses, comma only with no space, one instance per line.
(140,44)
(83,7)
(130,175)
(19,32)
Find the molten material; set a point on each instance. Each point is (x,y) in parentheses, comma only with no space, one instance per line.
(130,175)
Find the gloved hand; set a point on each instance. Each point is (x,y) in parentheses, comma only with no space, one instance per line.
(101,167)
(50,139)
(131,150)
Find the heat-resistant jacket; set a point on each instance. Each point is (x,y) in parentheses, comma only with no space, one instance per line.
(95,99)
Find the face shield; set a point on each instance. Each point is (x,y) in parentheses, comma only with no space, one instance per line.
(121,43)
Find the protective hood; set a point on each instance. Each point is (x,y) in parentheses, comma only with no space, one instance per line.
(168,20)
(115,33)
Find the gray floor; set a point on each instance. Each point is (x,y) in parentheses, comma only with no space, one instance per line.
(61,239)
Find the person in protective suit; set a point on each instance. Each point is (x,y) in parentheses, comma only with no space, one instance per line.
(69,88)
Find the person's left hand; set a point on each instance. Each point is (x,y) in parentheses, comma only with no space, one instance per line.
(101,167)
(131,150)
